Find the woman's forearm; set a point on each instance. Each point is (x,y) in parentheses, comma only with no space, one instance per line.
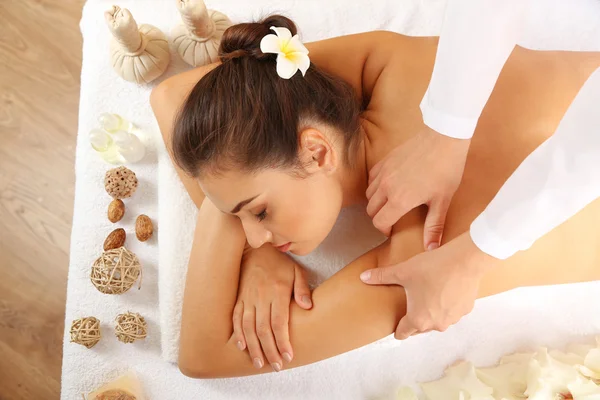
(211,286)
(346,314)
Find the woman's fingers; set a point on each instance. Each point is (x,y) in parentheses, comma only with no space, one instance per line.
(238,331)
(280,318)
(249,328)
(265,335)
(302,293)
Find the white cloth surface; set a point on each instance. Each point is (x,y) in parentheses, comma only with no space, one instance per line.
(518,320)
(560,177)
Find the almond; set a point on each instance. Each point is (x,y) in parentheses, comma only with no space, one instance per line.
(143,228)
(116,210)
(115,239)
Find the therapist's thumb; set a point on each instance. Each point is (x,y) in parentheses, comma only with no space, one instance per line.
(434,223)
(382,276)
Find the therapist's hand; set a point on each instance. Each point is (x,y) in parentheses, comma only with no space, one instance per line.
(427,169)
(441,285)
(261,315)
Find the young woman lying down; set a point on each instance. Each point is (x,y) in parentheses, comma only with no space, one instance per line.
(270,162)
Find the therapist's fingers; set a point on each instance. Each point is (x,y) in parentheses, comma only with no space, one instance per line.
(405,329)
(265,335)
(238,331)
(374,172)
(434,223)
(249,327)
(418,333)
(391,275)
(280,322)
(376,202)
(389,214)
(373,187)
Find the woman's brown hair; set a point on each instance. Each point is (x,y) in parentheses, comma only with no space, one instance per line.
(243,115)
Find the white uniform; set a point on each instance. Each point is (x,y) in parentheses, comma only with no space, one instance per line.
(557,179)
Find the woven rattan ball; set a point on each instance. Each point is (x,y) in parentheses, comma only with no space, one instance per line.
(120,182)
(85,331)
(115,271)
(130,327)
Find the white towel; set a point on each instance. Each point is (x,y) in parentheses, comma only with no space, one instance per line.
(518,320)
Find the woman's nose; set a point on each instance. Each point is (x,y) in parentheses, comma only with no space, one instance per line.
(256,234)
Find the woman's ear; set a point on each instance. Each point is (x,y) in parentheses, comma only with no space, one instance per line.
(316,152)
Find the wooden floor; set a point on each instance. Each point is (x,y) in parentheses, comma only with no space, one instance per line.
(40,63)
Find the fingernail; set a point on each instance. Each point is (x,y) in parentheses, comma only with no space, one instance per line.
(287,357)
(365,276)
(258,363)
(276,367)
(432,246)
(306,300)
(240,345)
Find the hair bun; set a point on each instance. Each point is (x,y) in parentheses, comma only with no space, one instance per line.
(244,39)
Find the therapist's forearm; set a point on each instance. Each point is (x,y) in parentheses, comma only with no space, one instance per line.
(555,181)
(476,39)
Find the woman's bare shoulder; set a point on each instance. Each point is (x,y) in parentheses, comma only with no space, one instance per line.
(171,93)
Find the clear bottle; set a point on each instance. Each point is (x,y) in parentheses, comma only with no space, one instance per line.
(129,146)
(112,123)
(105,146)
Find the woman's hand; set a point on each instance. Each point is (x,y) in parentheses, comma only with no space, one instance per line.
(261,314)
(441,285)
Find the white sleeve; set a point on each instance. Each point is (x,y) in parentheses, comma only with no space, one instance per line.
(476,39)
(553,183)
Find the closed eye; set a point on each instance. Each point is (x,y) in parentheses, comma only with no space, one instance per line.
(262,215)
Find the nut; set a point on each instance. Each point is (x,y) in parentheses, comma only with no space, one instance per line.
(116,209)
(115,239)
(143,228)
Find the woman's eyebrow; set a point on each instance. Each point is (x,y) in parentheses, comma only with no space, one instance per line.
(241,204)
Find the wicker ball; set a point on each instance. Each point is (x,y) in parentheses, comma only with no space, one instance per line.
(120,182)
(85,331)
(130,327)
(115,271)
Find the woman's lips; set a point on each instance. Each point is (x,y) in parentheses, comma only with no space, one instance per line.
(284,247)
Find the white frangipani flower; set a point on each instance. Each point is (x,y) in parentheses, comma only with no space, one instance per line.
(460,383)
(406,393)
(291,53)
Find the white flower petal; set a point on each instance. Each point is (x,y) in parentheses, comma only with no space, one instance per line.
(301,60)
(548,375)
(295,45)
(286,68)
(406,393)
(584,389)
(270,44)
(460,382)
(592,363)
(507,379)
(284,33)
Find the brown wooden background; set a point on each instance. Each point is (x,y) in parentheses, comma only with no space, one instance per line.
(40,63)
